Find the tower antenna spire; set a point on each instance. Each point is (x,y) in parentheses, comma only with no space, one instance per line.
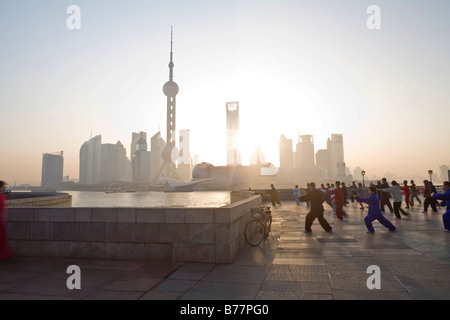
(171,55)
(171,38)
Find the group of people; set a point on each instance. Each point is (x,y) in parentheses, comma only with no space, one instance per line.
(376,197)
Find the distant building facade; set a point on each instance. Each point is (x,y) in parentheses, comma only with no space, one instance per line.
(141,160)
(90,161)
(445,173)
(304,165)
(286,153)
(114,162)
(103,162)
(323,164)
(305,154)
(335,146)
(233,150)
(135,136)
(52,169)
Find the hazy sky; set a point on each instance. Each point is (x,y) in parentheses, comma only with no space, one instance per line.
(296,67)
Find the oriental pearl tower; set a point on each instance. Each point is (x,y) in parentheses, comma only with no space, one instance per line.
(170,89)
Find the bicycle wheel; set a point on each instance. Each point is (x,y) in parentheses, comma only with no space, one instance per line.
(254,232)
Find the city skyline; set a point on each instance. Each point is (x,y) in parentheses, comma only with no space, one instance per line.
(309,68)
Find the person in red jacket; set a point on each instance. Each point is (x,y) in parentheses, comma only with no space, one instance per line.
(407,193)
(338,200)
(5,250)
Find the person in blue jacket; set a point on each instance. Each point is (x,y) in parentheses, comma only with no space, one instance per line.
(374,211)
(446,201)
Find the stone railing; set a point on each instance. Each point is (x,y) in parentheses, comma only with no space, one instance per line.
(171,234)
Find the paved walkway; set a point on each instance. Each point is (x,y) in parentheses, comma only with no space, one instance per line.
(414,264)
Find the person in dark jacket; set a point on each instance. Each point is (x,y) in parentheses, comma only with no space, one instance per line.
(274,195)
(385,196)
(345,193)
(316,199)
(428,196)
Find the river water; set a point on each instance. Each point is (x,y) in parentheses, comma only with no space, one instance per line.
(150,199)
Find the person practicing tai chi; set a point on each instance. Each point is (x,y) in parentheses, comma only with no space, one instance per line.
(338,200)
(407,193)
(296,195)
(396,192)
(374,211)
(274,196)
(446,201)
(414,193)
(316,199)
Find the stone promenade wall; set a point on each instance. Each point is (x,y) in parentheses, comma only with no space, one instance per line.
(170,234)
(25,199)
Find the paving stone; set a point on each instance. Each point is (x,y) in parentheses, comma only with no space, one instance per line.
(297,286)
(133,284)
(175,285)
(114,295)
(224,289)
(192,271)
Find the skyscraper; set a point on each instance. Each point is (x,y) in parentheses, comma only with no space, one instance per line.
(52,169)
(323,163)
(286,153)
(335,145)
(90,161)
(114,162)
(233,151)
(305,153)
(135,136)
(444,170)
(141,160)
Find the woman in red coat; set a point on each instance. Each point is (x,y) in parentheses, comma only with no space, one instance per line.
(338,200)
(407,193)
(5,249)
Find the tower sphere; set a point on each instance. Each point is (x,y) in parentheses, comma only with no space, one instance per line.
(170,89)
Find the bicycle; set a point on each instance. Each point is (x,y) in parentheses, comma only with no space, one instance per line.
(258,229)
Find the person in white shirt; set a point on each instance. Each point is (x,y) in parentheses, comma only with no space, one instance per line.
(296,195)
(396,193)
